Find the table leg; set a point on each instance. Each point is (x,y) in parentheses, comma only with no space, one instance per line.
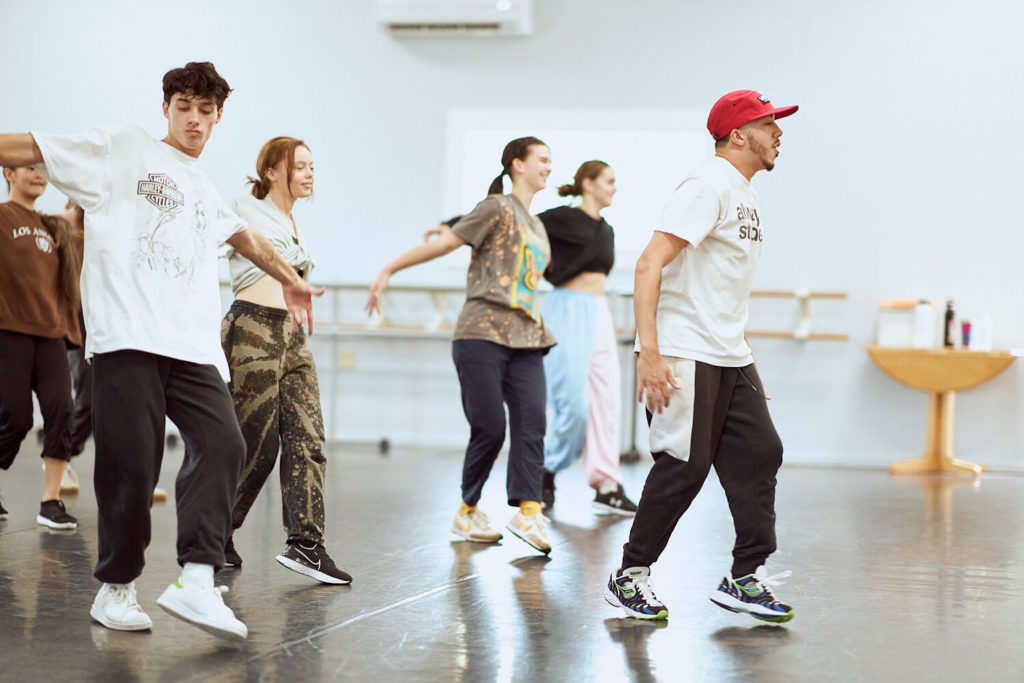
(938,455)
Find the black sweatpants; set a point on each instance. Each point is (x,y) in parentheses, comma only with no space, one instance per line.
(133,393)
(492,375)
(731,430)
(29,363)
(81,379)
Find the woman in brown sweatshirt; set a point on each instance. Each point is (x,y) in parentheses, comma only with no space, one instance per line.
(38,304)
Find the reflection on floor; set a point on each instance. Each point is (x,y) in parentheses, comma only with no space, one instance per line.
(894,579)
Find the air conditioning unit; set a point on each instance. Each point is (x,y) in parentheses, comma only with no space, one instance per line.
(456,17)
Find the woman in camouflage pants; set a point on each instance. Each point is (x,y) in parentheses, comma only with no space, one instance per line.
(273,377)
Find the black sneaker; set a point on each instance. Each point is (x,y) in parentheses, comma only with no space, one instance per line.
(614,502)
(313,561)
(3,510)
(53,514)
(231,556)
(547,490)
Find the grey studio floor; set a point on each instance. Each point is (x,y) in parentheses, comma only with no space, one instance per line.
(894,579)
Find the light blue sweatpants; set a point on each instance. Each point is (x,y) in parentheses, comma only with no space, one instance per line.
(582,374)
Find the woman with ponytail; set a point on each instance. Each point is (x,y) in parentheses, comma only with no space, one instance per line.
(273,378)
(38,305)
(583,370)
(499,341)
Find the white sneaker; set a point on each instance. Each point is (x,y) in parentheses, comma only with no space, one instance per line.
(69,481)
(203,607)
(116,606)
(475,527)
(531,529)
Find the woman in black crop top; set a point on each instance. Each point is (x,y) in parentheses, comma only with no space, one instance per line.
(582,371)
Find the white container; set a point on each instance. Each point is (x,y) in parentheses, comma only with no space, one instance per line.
(981,333)
(896,322)
(926,325)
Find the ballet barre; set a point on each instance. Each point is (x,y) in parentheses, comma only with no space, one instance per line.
(802,332)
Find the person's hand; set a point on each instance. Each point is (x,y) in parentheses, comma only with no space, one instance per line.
(376,292)
(655,379)
(298,299)
(435,231)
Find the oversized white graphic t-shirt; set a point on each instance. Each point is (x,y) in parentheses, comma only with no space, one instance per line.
(702,310)
(153,225)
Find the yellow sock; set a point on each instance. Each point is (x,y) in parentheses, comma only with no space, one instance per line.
(529,508)
(465,509)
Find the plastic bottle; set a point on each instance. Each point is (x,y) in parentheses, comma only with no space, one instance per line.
(982,334)
(949,330)
(924,325)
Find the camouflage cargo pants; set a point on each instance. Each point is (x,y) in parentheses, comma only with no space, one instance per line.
(277,399)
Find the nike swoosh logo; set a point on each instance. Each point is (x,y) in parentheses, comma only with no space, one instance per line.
(308,558)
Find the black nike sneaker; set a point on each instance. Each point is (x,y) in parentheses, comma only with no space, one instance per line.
(313,561)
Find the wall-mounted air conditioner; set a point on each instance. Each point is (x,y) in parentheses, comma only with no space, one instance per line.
(456,17)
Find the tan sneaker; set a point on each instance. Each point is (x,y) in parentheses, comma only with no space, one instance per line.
(159,495)
(531,529)
(475,527)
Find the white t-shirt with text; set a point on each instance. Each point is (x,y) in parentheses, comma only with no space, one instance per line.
(153,225)
(702,308)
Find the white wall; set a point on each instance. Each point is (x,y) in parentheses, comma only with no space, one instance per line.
(896,176)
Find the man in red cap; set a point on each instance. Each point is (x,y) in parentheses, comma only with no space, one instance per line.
(705,401)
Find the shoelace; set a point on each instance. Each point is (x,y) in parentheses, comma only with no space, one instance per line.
(774,579)
(126,596)
(646,590)
(481,519)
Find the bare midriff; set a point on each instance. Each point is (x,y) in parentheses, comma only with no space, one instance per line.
(264,292)
(591,283)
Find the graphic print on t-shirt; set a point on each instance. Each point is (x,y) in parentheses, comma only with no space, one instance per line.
(43,239)
(750,223)
(175,252)
(530,264)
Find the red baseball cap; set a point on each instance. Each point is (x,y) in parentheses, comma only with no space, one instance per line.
(740,107)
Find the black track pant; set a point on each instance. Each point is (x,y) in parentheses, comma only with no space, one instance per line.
(724,414)
(34,364)
(133,393)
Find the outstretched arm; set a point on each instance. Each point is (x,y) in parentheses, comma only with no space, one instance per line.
(447,241)
(19,149)
(298,294)
(653,374)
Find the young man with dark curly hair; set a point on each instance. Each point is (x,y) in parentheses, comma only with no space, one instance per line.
(151,301)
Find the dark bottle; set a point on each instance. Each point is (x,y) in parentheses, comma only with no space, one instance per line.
(949,332)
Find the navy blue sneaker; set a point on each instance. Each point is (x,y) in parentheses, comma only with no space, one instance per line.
(752,594)
(631,590)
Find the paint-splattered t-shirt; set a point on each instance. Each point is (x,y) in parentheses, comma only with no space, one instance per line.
(510,253)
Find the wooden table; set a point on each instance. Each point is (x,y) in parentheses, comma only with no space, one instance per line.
(940,372)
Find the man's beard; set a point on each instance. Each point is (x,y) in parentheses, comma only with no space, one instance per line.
(762,152)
